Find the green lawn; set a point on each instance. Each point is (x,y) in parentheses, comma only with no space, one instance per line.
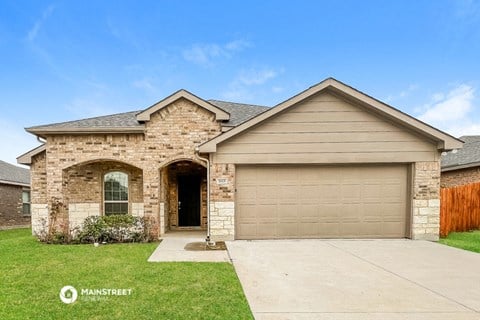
(32,274)
(463,240)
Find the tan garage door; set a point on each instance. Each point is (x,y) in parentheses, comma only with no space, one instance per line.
(321,202)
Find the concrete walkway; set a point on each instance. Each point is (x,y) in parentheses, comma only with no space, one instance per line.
(359,279)
(172,249)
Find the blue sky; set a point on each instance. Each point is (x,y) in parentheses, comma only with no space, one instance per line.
(66,60)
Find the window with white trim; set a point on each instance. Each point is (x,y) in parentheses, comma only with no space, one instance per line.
(115,186)
(26,202)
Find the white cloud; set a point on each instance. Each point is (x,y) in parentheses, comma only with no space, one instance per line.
(124,34)
(206,54)
(454,106)
(256,77)
(242,86)
(144,84)
(403,94)
(467,128)
(89,107)
(238,94)
(33,32)
(453,112)
(203,54)
(277,89)
(439,96)
(467,9)
(15,141)
(237,45)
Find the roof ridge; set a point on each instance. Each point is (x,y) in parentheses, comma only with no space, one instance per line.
(244,104)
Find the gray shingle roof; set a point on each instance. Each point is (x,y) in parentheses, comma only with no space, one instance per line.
(14,174)
(468,156)
(239,113)
(123,120)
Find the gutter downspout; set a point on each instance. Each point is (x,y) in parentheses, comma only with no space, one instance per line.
(208,240)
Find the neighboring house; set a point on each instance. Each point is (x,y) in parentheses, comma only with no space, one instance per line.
(330,162)
(14,195)
(462,166)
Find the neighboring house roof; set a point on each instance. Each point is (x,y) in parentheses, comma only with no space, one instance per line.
(235,113)
(10,174)
(467,157)
(444,140)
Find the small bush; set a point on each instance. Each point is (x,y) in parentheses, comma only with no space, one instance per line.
(92,230)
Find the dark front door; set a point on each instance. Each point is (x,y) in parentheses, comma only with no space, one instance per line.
(189,201)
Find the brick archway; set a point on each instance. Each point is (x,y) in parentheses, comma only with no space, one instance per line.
(82,186)
(184,185)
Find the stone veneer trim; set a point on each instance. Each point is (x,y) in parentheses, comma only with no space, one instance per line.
(222,220)
(39,217)
(78,212)
(426,201)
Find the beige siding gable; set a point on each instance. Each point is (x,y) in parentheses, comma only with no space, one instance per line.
(324,129)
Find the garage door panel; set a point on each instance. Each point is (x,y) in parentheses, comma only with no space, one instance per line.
(309,230)
(308,193)
(321,202)
(287,230)
(248,230)
(328,230)
(267,230)
(351,193)
(329,193)
(246,194)
(309,212)
(287,212)
(287,194)
(329,212)
(391,228)
(351,211)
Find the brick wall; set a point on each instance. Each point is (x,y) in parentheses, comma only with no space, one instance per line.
(11,208)
(172,134)
(38,177)
(84,183)
(460,177)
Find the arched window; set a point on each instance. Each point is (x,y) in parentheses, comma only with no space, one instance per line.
(115,185)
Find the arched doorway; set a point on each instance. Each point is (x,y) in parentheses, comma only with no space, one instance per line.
(186,195)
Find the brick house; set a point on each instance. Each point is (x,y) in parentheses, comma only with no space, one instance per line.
(14,196)
(330,162)
(460,167)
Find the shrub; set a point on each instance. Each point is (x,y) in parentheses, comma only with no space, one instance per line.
(115,228)
(92,230)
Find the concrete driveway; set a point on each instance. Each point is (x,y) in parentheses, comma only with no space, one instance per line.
(357,279)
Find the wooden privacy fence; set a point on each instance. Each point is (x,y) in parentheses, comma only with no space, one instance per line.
(460,208)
